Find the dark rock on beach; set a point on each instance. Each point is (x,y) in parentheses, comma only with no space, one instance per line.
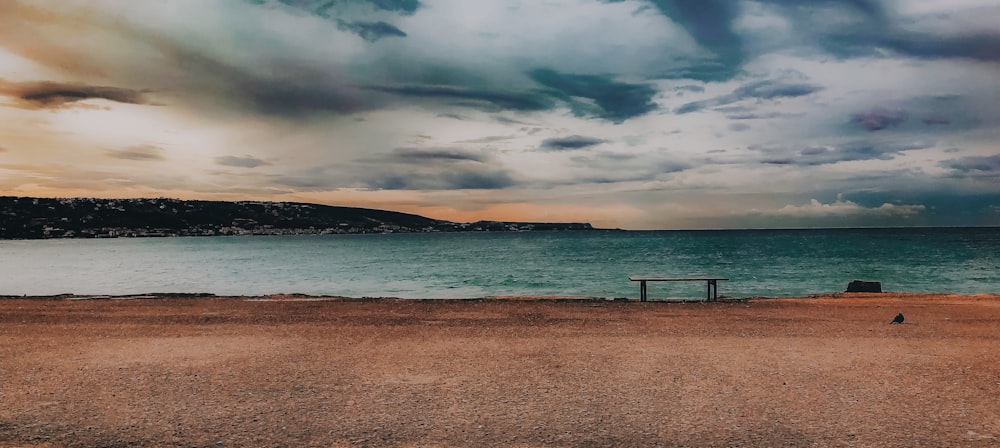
(863,286)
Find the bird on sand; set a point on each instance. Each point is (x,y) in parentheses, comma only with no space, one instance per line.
(898,319)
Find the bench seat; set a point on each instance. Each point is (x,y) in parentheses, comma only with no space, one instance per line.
(712,285)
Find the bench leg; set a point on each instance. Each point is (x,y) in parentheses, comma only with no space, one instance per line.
(642,291)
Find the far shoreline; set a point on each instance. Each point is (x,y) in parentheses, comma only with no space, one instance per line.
(298,297)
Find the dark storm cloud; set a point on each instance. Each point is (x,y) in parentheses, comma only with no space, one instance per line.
(425,169)
(748,113)
(138,152)
(456,179)
(710,23)
(763,90)
(373,31)
(877,32)
(689,88)
(240,161)
(615,101)
(413,155)
(757,115)
(369,30)
(300,88)
(926,114)
(879,119)
(775,89)
(326,8)
(952,111)
(972,164)
(976,46)
(299,95)
(571,142)
(489,100)
(400,6)
(489,139)
(598,167)
(388,176)
(979,46)
(845,152)
(55,95)
(610,100)
(935,119)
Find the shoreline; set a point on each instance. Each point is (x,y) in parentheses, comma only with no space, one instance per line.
(490,298)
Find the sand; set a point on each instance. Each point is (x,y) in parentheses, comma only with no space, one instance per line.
(296,371)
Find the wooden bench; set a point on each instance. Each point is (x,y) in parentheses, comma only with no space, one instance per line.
(712,287)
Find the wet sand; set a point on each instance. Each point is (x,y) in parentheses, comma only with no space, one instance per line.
(302,371)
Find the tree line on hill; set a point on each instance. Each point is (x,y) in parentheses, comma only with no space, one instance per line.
(34,218)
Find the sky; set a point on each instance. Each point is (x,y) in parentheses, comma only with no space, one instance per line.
(635,114)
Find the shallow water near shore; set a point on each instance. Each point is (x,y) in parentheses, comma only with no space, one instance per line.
(772,263)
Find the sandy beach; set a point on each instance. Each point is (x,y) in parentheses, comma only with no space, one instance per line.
(303,371)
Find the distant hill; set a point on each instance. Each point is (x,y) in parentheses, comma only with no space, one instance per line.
(33,218)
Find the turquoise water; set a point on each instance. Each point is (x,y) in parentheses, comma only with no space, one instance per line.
(774,263)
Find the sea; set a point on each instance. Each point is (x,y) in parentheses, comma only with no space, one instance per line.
(758,263)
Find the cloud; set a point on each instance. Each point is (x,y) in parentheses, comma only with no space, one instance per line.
(868,29)
(612,100)
(431,169)
(55,95)
(138,152)
(329,8)
(840,27)
(415,155)
(770,89)
(463,178)
(271,77)
(689,88)
(603,167)
(489,100)
(710,23)
(571,142)
(879,119)
(843,28)
(586,95)
(974,164)
(400,6)
(373,31)
(763,90)
(240,161)
(979,46)
(927,114)
(935,119)
(836,153)
(749,113)
(842,207)
(421,169)
(296,92)
(738,127)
